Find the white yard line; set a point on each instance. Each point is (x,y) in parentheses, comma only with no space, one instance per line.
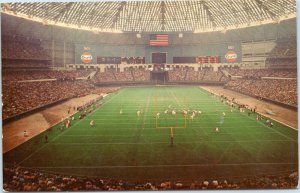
(227,133)
(225,152)
(148,143)
(147,108)
(130,123)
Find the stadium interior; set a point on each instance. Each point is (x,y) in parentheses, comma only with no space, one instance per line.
(54,53)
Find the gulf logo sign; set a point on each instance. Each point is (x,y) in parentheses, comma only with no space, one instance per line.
(86,57)
(231,56)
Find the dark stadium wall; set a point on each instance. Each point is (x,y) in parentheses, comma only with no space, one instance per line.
(217,49)
(105,50)
(146,51)
(62,43)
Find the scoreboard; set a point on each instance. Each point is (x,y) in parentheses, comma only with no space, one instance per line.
(108,60)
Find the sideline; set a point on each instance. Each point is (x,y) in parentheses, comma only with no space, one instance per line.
(29,156)
(265,115)
(13,127)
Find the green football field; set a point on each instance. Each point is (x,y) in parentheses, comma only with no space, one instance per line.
(130,147)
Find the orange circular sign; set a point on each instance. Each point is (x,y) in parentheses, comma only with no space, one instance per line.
(231,56)
(86,57)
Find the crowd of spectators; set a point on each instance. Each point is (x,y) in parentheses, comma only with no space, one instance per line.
(210,75)
(44,74)
(284,91)
(68,74)
(285,47)
(284,54)
(25,64)
(128,75)
(107,76)
(124,76)
(192,75)
(177,74)
(140,75)
(257,73)
(23,179)
(282,62)
(19,97)
(22,48)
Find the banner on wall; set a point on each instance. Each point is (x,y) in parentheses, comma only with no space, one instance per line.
(230,56)
(85,55)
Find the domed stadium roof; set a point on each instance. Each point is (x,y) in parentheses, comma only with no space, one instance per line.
(156,16)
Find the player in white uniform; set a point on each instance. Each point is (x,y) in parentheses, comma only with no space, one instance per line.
(193,114)
(192,118)
(157,115)
(121,111)
(138,113)
(217,129)
(91,123)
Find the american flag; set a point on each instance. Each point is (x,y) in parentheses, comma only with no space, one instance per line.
(159,40)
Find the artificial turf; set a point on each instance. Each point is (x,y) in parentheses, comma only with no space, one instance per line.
(130,147)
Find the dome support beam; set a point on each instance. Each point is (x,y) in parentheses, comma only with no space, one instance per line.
(117,15)
(264,7)
(209,14)
(163,16)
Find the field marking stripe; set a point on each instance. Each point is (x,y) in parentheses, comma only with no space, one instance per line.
(154,111)
(163,119)
(225,152)
(227,133)
(205,127)
(156,166)
(149,143)
(146,111)
(61,134)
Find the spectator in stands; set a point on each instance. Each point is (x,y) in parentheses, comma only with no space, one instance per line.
(284,91)
(22,179)
(17,99)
